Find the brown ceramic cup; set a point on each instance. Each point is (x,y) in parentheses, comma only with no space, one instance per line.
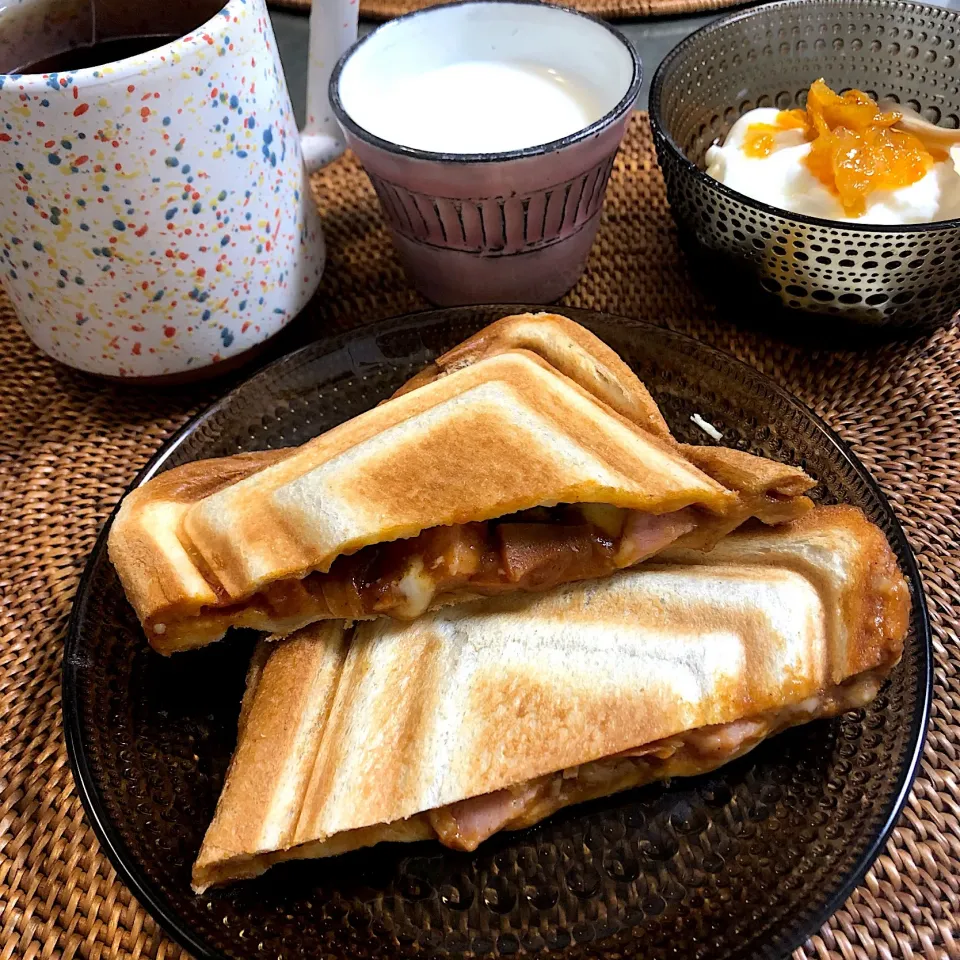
(501,226)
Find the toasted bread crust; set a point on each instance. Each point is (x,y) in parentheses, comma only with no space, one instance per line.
(849,562)
(567,346)
(587,360)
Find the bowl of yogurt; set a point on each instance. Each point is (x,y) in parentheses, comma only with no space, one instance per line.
(800,192)
(489,129)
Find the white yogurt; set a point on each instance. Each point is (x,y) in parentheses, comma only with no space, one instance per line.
(782,180)
(480,106)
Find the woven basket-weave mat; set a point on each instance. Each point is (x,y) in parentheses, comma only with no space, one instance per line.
(70,444)
(612,9)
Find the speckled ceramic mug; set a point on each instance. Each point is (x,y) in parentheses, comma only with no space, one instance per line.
(155,213)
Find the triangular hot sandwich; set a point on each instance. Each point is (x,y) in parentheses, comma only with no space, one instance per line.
(509,470)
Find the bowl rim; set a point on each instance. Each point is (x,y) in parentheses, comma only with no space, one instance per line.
(623,106)
(664,137)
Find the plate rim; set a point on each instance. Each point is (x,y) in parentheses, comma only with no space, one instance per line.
(94,805)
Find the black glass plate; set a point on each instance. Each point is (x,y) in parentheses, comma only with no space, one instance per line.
(745,862)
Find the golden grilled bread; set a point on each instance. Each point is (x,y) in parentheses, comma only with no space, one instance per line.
(567,347)
(389,513)
(586,359)
(492,715)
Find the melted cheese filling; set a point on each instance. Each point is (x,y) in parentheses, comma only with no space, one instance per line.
(531,551)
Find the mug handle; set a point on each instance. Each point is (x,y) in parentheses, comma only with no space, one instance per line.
(333,28)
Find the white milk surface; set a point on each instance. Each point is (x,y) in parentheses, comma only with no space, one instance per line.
(480,106)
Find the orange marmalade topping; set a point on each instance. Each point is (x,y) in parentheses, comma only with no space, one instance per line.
(760,139)
(854,149)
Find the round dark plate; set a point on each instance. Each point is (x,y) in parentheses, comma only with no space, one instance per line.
(745,862)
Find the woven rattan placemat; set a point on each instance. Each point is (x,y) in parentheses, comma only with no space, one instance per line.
(70,444)
(612,9)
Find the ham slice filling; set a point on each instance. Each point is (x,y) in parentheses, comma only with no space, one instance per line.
(529,551)
(467,823)
(534,550)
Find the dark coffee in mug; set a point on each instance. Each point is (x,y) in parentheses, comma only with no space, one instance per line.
(95,54)
(58,36)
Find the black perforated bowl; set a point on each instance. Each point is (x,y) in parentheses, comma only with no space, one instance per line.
(742,863)
(783,268)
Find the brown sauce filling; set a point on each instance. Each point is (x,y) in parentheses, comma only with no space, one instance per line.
(529,551)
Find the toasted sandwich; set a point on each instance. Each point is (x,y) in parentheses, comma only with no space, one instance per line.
(492,715)
(569,348)
(508,473)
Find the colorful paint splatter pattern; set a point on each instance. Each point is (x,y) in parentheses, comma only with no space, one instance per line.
(158,216)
